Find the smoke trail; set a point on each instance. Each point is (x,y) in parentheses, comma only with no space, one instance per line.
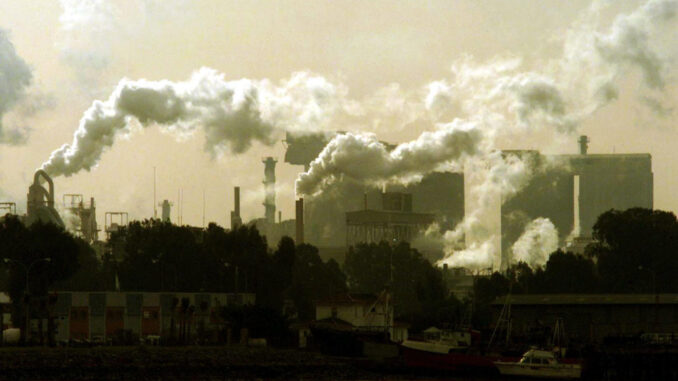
(536,244)
(593,62)
(496,100)
(362,158)
(15,77)
(233,114)
(496,178)
(86,39)
(90,29)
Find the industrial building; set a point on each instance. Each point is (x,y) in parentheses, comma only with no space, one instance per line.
(102,315)
(591,318)
(394,222)
(40,201)
(330,228)
(86,215)
(573,190)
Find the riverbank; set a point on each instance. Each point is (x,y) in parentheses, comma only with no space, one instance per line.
(178,363)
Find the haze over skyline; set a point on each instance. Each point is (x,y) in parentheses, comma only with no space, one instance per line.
(381,55)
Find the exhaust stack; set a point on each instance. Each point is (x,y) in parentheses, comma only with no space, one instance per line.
(269,187)
(235,214)
(300,221)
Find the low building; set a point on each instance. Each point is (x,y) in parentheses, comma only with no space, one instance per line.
(394,223)
(592,317)
(103,315)
(361,312)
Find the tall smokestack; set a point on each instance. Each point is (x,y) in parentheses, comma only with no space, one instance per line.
(583,144)
(269,186)
(300,221)
(235,214)
(166,210)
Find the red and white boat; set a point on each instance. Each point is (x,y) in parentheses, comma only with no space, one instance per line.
(452,351)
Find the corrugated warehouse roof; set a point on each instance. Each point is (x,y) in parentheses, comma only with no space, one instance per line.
(588,299)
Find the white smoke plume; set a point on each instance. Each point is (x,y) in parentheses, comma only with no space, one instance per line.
(594,62)
(90,31)
(362,158)
(233,114)
(536,244)
(496,178)
(86,39)
(15,78)
(500,99)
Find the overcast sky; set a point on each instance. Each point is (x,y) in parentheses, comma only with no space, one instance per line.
(368,46)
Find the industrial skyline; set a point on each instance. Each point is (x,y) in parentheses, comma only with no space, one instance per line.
(380,68)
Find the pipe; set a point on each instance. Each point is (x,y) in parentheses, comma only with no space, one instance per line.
(300,220)
(236,201)
(36,180)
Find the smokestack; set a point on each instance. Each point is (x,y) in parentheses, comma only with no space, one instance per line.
(300,220)
(166,210)
(583,144)
(269,187)
(235,214)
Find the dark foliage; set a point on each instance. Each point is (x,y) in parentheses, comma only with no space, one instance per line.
(419,293)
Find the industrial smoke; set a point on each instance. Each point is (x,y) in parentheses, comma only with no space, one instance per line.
(233,114)
(15,77)
(537,242)
(498,99)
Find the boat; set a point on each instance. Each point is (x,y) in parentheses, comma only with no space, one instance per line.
(451,351)
(540,364)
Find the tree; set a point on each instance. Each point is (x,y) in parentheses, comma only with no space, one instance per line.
(417,287)
(38,256)
(158,255)
(567,273)
(312,279)
(485,291)
(636,250)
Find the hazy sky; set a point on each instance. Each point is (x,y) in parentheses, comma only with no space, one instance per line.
(367,45)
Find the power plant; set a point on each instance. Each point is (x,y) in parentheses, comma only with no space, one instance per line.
(571,190)
(575,191)
(40,201)
(86,216)
(269,187)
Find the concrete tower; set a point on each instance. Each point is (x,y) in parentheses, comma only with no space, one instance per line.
(269,187)
(166,210)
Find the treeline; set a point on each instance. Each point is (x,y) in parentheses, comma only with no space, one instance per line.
(156,256)
(633,251)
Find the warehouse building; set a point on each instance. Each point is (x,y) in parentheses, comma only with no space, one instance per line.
(103,315)
(592,317)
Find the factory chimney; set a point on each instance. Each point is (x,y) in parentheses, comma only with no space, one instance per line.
(235,214)
(166,209)
(583,144)
(300,221)
(269,187)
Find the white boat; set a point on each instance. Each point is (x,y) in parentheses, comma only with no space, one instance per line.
(539,363)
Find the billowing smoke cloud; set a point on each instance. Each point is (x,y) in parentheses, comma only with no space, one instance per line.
(536,244)
(498,99)
(91,29)
(593,62)
(15,78)
(496,178)
(233,114)
(86,38)
(362,158)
